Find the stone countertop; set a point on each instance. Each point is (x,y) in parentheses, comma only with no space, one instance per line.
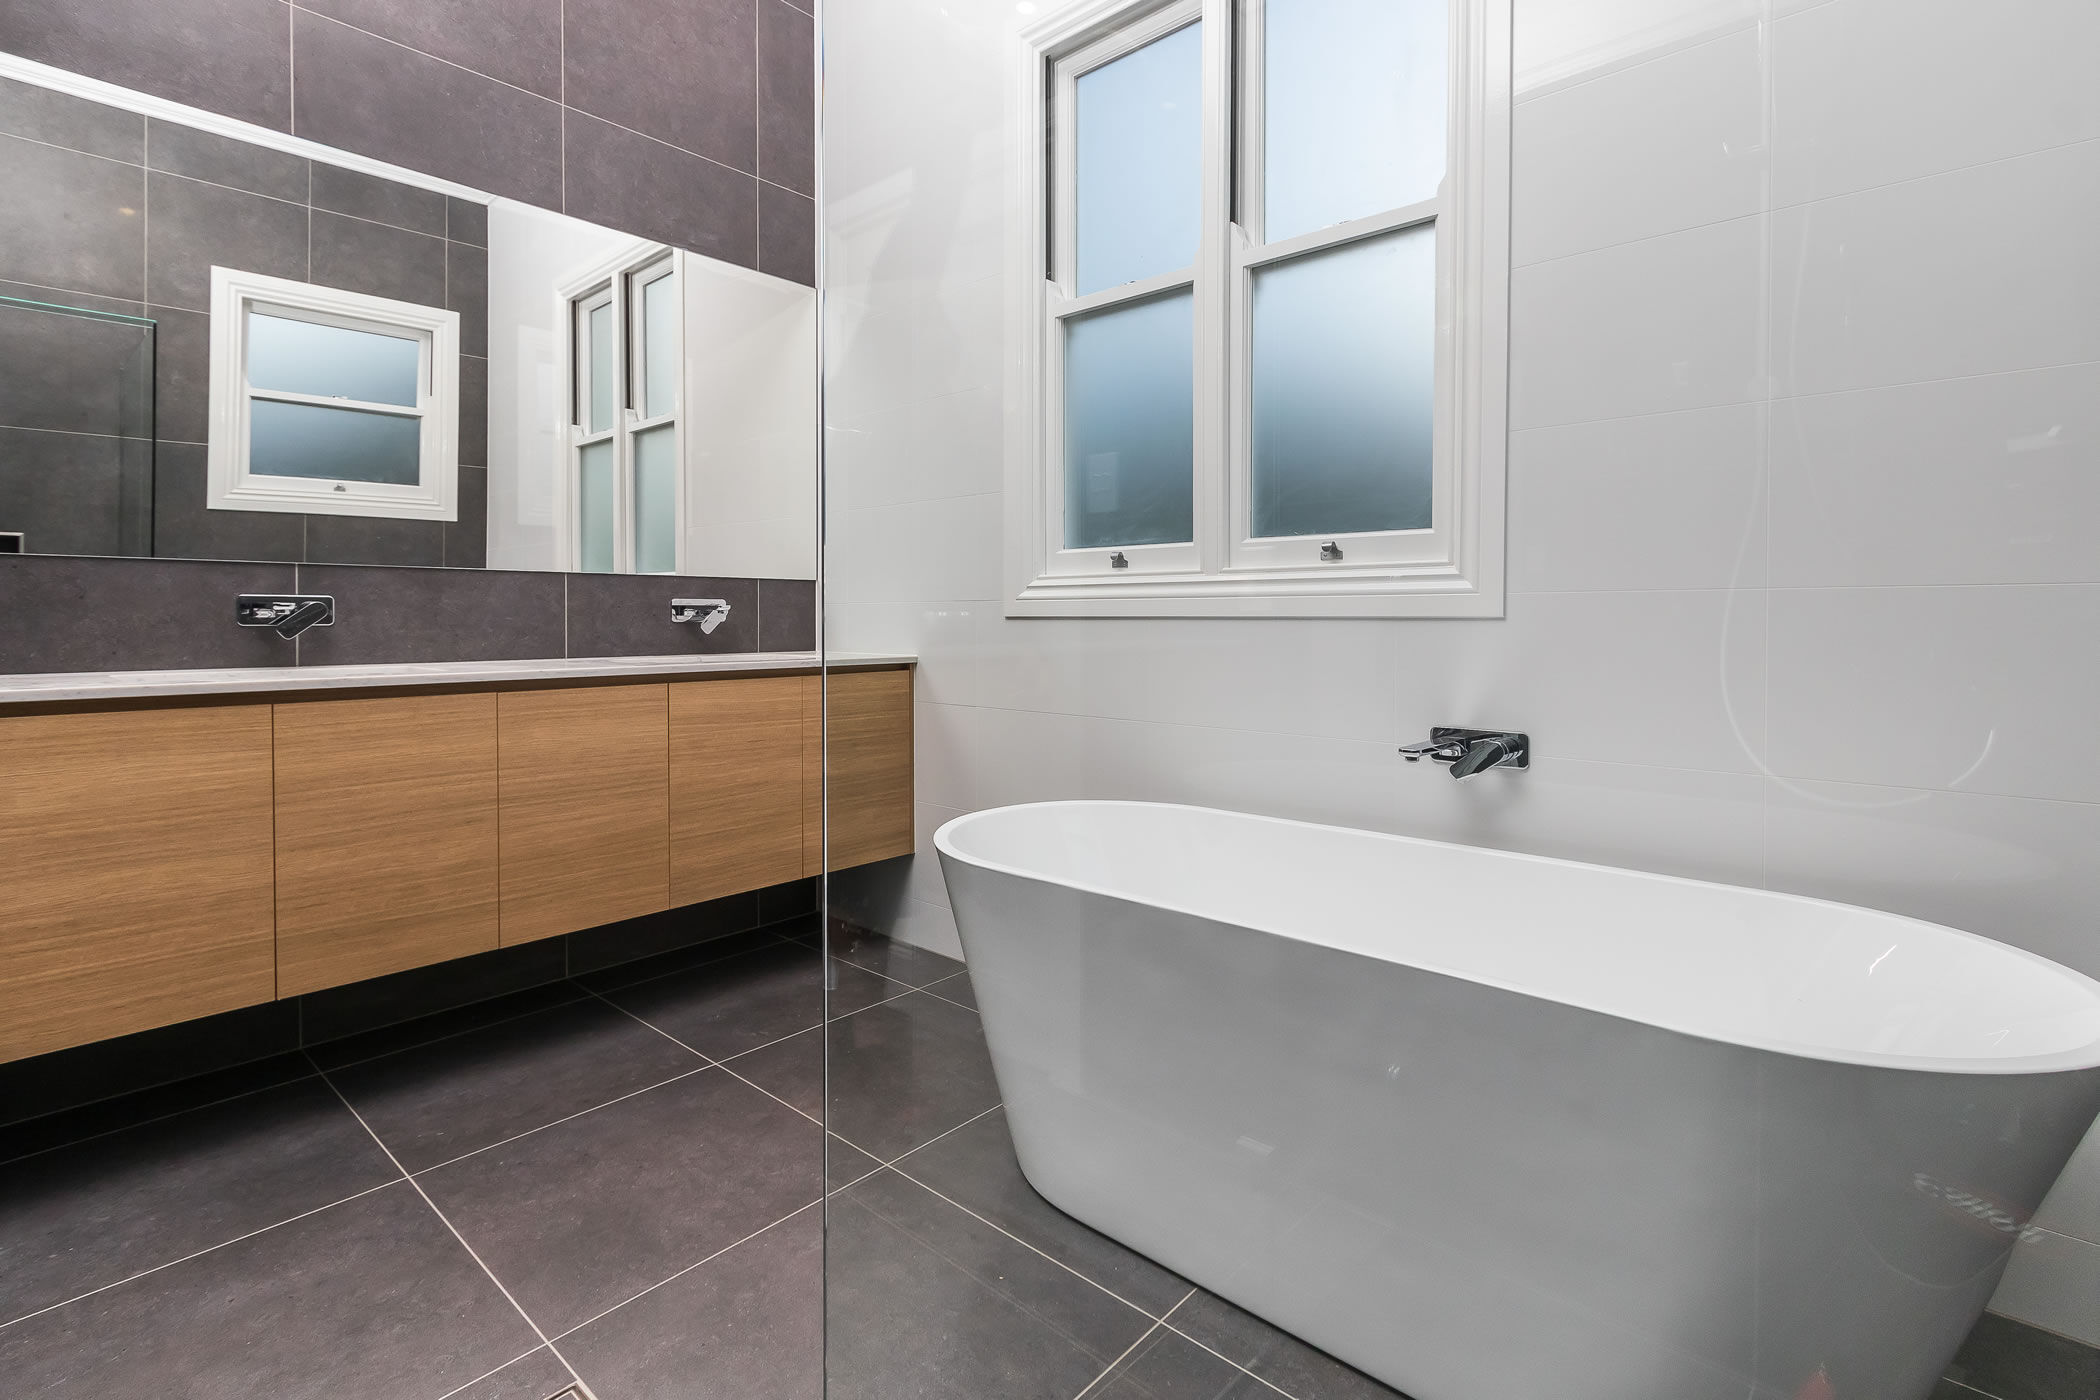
(55,687)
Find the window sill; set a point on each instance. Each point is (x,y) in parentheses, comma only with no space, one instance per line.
(1363,593)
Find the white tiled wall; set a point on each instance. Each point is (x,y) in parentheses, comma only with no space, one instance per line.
(1804,484)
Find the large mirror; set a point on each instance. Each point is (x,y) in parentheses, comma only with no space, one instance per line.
(213,348)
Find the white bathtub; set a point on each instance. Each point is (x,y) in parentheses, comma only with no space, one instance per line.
(1496,1127)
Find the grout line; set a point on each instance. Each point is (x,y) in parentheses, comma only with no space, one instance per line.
(211,1249)
(447,1223)
(460,1389)
(1226,1359)
(145,1122)
(565,1118)
(1110,1369)
(688,1269)
(1958,1385)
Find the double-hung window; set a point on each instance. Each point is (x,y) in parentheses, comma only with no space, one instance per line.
(330,402)
(621,447)
(1264,309)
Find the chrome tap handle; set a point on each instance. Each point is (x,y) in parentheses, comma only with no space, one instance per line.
(1483,754)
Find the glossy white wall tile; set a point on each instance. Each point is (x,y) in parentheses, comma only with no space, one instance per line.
(1591,166)
(2053,1282)
(1557,42)
(1869,92)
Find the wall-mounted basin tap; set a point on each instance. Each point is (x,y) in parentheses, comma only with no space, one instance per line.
(1472,751)
(286,614)
(687,609)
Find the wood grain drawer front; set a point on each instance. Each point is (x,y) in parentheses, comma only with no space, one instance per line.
(386,836)
(137,852)
(585,808)
(870,756)
(736,785)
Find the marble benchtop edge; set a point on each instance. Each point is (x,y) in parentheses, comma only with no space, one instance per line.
(126,685)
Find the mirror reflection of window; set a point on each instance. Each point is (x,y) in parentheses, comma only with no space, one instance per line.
(626,488)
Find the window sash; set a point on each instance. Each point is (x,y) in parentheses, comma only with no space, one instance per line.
(619,283)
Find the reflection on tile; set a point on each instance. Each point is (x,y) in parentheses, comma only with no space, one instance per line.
(370,1297)
(176,613)
(473,410)
(182,373)
(1168,1366)
(534,1377)
(787,614)
(786,95)
(84,232)
(467,292)
(184,528)
(899,1255)
(378,260)
(956,989)
(974,1166)
(62,490)
(198,226)
(61,119)
(518,41)
(466,221)
(448,615)
(222,160)
(725,1008)
(900,962)
(1276,1356)
(378,200)
(683,74)
(2009,1360)
(434,1103)
(467,538)
(362,539)
(630,615)
(582,1215)
(643,187)
(750,1322)
(375,98)
(73,374)
(85,1216)
(844,1163)
(787,235)
(223,55)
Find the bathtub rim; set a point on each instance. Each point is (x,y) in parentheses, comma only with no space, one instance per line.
(2074,1060)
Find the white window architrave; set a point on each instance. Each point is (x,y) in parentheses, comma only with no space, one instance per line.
(616,281)
(1452,569)
(230,485)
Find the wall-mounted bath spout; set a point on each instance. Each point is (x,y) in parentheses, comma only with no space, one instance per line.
(686,609)
(286,614)
(1471,751)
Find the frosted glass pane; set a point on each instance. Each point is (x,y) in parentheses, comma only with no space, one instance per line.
(656,501)
(603,368)
(338,444)
(1130,388)
(594,528)
(660,346)
(1139,155)
(299,357)
(1354,98)
(1344,374)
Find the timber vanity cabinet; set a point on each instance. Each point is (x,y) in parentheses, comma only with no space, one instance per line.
(172,858)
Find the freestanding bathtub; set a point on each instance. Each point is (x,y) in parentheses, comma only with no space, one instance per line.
(1497,1127)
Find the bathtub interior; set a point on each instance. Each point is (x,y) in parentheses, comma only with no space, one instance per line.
(1750,967)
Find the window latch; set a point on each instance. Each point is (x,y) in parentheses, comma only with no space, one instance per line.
(1330,552)
(1117,559)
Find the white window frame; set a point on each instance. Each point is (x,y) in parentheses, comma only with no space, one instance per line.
(618,280)
(231,485)
(1452,569)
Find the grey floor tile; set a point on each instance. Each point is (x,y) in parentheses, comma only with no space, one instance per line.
(373,1297)
(974,1166)
(747,1324)
(433,1103)
(2009,1360)
(925,1300)
(1168,1366)
(1277,1357)
(532,1377)
(88,1215)
(956,989)
(900,962)
(86,1083)
(585,1214)
(727,1007)
(844,1163)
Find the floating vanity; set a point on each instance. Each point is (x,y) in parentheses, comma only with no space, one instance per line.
(181,843)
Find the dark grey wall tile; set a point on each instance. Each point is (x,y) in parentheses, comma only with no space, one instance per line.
(61,490)
(467,538)
(73,374)
(473,411)
(683,73)
(377,259)
(787,117)
(423,991)
(182,368)
(630,615)
(467,292)
(518,41)
(184,529)
(133,614)
(227,56)
(382,201)
(432,615)
(466,221)
(73,122)
(364,539)
(105,1085)
(787,613)
(206,155)
(378,99)
(787,235)
(646,188)
(195,226)
(29,291)
(84,231)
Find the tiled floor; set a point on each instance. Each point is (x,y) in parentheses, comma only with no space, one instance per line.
(615,1180)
